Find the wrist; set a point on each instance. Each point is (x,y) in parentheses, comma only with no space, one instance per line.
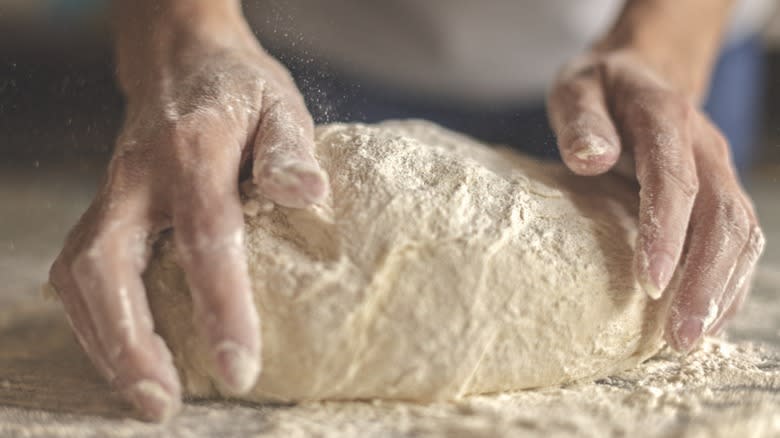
(156,38)
(679,40)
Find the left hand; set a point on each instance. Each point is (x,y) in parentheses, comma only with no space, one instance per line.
(694,217)
(198,113)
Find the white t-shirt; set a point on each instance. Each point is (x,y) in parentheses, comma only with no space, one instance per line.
(466,51)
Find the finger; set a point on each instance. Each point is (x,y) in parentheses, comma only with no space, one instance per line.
(657,129)
(720,231)
(78,317)
(107,271)
(587,138)
(284,167)
(208,226)
(740,281)
(736,305)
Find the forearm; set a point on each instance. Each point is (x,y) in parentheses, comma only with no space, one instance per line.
(154,36)
(678,38)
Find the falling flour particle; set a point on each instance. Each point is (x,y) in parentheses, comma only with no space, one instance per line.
(438,267)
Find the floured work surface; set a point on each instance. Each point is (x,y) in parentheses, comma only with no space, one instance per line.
(47,387)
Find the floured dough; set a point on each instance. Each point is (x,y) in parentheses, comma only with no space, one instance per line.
(437,268)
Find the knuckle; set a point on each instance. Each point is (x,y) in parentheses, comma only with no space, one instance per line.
(274,105)
(190,133)
(730,214)
(107,244)
(196,120)
(721,145)
(684,181)
(199,230)
(206,209)
(713,142)
(129,358)
(86,263)
(583,66)
(656,106)
(681,108)
(211,239)
(202,143)
(280,69)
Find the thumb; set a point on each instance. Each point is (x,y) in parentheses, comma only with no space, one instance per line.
(284,168)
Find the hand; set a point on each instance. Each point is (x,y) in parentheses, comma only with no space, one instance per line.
(176,164)
(693,216)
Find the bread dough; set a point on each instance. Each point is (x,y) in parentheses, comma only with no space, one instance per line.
(438,267)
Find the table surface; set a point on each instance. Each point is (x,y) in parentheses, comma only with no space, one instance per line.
(47,388)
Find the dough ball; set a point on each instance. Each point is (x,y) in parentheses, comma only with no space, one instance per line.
(438,267)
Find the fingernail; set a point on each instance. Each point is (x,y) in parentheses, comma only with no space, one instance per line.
(688,333)
(313,185)
(294,184)
(238,368)
(589,147)
(659,270)
(152,400)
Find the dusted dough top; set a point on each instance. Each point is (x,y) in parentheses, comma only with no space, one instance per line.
(438,267)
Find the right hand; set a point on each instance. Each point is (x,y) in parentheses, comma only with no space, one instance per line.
(190,127)
(694,217)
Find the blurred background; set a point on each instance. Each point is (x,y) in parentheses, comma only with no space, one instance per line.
(60,110)
(59,100)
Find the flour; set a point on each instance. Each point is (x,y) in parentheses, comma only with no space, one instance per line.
(49,388)
(721,390)
(437,268)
